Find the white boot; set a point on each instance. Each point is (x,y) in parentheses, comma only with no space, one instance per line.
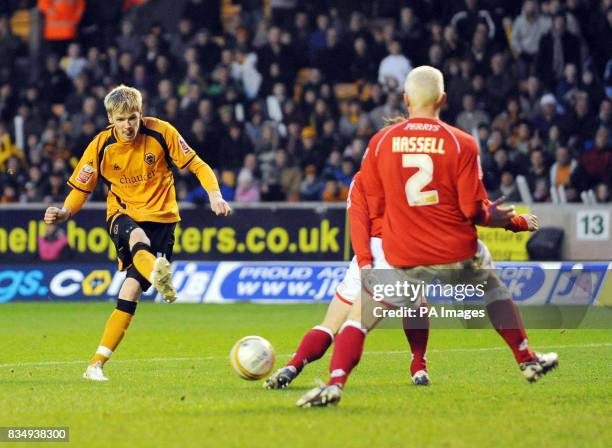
(94,372)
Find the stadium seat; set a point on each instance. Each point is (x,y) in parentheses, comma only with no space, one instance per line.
(546,244)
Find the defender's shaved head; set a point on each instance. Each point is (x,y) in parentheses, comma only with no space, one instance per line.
(424,86)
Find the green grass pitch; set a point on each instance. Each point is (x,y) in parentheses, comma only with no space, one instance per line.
(171,384)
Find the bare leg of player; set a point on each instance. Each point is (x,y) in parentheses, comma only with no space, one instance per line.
(313,345)
(158,270)
(115,329)
(348,348)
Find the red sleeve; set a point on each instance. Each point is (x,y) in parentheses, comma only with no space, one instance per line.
(518,224)
(44,5)
(371,182)
(359,222)
(79,10)
(472,194)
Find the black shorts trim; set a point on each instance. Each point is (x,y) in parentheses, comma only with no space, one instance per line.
(132,272)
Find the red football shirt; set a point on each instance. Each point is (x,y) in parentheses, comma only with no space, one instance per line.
(424,176)
(362,225)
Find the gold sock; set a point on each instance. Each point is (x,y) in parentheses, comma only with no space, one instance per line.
(144,261)
(117,324)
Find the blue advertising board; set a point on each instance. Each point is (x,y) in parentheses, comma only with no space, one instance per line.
(284,282)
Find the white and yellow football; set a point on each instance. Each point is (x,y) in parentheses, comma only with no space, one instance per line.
(252,357)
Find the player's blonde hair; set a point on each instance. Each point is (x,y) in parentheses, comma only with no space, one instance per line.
(424,86)
(123,100)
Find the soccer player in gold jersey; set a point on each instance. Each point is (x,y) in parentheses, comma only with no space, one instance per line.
(135,156)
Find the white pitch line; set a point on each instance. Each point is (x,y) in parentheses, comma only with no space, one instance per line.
(375,353)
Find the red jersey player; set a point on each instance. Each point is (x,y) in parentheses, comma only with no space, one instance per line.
(424,177)
(367,245)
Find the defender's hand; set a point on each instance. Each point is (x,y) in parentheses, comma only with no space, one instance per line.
(532,222)
(500,216)
(218,204)
(54,215)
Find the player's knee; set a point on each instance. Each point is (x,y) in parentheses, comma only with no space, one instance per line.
(139,236)
(130,290)
(139,241)
(495,290)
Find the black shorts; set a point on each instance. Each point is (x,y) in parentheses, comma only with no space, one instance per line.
(161,236)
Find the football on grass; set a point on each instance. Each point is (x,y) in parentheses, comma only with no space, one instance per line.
(252,357)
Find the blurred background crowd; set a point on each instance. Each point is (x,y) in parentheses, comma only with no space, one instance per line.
(282,96)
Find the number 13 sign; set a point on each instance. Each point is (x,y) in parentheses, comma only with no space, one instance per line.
(593,225)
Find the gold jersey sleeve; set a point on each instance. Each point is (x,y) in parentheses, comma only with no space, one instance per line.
(179,151)
(183,156)
(85,175)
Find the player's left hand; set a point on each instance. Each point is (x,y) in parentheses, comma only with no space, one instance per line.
(218,204)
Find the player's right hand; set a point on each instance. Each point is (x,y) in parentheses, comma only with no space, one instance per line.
(500,216)
(218,204)
(54,215)
(532,222)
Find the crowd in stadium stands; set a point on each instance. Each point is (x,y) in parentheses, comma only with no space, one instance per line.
(283,106)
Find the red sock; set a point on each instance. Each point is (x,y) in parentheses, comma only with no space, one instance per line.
(506,319)
(313,345)
(416,330)
(347,352)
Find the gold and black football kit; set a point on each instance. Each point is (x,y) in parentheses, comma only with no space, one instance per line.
(141,184)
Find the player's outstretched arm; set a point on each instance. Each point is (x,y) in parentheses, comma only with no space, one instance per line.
(505,217)
(208,180)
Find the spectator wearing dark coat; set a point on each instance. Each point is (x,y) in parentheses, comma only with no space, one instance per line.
(597,163)
(275,52)
(557,48)
(500,84)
